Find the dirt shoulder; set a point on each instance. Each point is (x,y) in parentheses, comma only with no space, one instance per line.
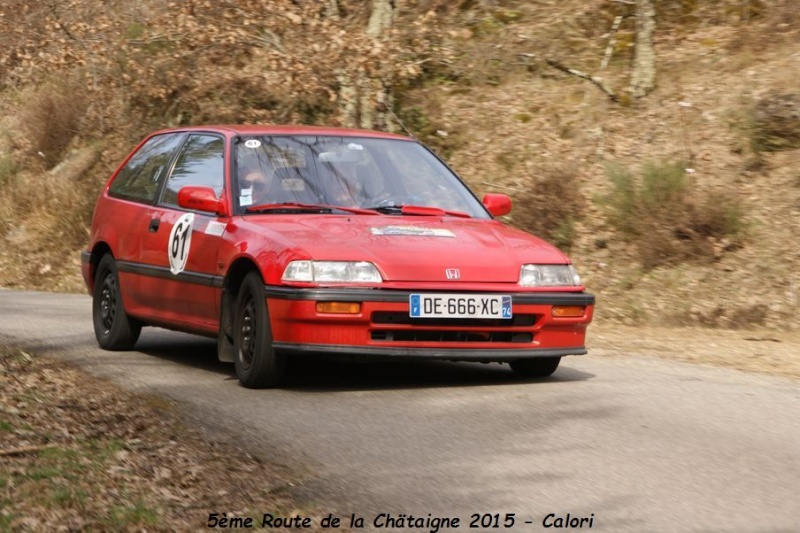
(763,351)
(79,453)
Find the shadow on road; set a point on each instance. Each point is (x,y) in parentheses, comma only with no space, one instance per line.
(317,373)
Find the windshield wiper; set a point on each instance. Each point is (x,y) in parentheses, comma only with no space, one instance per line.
(287,207)
(294,207)
(416,210)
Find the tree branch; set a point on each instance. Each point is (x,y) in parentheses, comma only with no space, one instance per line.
(595,80)
(25,450)
(612,42)
(61,24)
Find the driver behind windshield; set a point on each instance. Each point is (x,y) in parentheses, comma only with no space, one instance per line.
(259,184)
(344,186)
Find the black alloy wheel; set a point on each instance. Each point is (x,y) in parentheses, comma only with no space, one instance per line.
(257,363)
(113,328)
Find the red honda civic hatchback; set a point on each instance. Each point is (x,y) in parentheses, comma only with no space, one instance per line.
(288,240)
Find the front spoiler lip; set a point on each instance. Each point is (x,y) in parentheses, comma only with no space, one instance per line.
(447,354)
(391,295)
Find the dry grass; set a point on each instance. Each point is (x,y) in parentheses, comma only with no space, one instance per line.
(771,353)
(47,215)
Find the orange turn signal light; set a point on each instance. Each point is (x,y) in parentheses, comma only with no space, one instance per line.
(572,311)
(348,308)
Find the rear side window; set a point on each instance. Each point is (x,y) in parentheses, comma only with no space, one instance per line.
(200,163)
(138,179)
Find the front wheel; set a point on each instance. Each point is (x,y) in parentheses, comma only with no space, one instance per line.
(114,329)
(257,363)
(538,367)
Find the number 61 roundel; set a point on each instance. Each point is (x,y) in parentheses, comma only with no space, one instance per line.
(180,240)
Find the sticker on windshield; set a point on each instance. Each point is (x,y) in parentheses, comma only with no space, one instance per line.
(293,184)
(354,146)
(246,197)
(412,231)
(252,143)
(180,241)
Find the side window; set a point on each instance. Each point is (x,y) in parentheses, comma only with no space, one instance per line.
(200,163)
(138,179)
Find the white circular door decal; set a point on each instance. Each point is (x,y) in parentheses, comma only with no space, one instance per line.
(180,240)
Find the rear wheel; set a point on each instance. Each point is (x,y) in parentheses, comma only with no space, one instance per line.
(258,365)
(113,328)
(538,367)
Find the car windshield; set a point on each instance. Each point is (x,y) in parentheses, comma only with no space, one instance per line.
(393,176)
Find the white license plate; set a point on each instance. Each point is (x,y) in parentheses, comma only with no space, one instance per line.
(459,306)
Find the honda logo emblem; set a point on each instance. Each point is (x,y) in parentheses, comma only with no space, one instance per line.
(452,273)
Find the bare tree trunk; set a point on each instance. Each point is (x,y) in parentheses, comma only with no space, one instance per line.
(381,18)
(643,77)
(348,100)
(364,96)
(332,11)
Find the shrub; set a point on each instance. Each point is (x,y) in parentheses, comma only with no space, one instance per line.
(666,220)
(776,123)
(426,130)
(51,119)
(622,200)
(8,168)
(551,207)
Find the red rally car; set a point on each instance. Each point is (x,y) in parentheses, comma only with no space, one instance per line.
(286,240)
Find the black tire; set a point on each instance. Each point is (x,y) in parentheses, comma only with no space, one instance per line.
(258,365)
(114,329)
(538,367)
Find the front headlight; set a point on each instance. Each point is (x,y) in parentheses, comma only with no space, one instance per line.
(549,276)
(332,272)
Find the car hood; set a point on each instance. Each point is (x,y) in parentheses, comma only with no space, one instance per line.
(406,248)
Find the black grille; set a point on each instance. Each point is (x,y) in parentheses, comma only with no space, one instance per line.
(451,329)
(395,317)
(407,335)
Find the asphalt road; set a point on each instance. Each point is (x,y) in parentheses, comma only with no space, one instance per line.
(634,444)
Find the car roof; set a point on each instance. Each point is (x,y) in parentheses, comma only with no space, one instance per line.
(252,129)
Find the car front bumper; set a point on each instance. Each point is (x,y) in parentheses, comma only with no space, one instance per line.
(383,327)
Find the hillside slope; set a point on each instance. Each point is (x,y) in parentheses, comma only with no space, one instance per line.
(477,87)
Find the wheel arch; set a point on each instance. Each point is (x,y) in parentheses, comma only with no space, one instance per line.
(99,250)
(230,291)
(236,273)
